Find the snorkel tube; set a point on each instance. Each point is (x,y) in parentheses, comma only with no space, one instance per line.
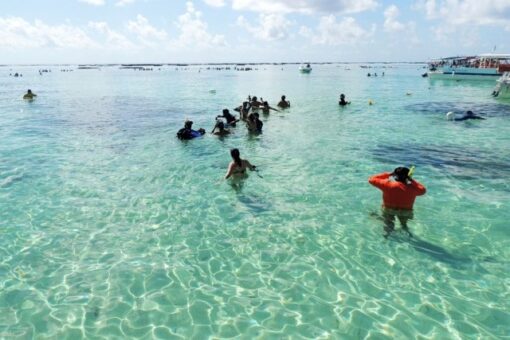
(411,171)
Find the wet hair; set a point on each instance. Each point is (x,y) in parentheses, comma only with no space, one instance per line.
(401,174)
(254,98)
(236,156)
(342,95)
(469,113)
(265,103)
(188,124)
(29,91)
(256,114)
(225,111)
(283,97)
(220,125)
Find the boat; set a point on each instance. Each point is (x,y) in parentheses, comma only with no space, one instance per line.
(502,89)
(305,69)
(479,67)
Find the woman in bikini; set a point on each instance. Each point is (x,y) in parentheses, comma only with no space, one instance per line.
(237,168)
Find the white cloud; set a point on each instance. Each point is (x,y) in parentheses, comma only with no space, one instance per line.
(271,27)
(193,30)
(332,32)
(122,3)
(468,12)
(113,39)
(16,32)
(145,32)
(215,3)
(305,6)
(391,24)
(94,2)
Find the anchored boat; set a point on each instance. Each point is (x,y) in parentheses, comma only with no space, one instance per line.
(480,67)
(305,69)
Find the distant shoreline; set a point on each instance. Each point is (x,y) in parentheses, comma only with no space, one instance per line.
(216,64)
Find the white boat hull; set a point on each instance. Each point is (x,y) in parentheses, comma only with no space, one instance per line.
(465,76)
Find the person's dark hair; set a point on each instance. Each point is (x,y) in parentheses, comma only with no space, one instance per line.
(265,103)
(188,124)
(225,111)
(29,91)
(283,97)
(220,125)
(469,113)
(401,174)
(254,98)
(236,156)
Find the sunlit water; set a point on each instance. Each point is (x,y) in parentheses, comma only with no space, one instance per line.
(112,227)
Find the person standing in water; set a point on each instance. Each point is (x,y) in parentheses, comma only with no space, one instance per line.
(237,168)
(29,95)
(342,101)
(283,103)
(398,197)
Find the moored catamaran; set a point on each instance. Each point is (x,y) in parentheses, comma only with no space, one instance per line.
(480,67)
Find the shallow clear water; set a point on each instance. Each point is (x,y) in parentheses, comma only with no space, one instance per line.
(111,227)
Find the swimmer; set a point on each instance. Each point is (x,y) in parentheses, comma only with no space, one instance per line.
(231,120)
(398,197)
(221,129)
(469,115)
(342,101)
(238,166)
(450,115)
(283,104)
(29,95)
(187,132)
(266,108)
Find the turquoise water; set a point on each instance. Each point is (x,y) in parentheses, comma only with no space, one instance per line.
(111,227)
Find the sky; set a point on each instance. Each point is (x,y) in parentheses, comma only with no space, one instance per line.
(180,31)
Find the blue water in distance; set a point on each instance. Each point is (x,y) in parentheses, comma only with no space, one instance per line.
(112,227)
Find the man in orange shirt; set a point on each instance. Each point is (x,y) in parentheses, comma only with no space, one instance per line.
(398,196)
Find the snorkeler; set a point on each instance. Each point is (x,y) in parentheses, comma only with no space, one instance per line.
(187,132)
(29,95)
(283,103)
(221,129)
(231,120)
(398,196)
(469,115)
(238,166)
(266,108)
(342,101)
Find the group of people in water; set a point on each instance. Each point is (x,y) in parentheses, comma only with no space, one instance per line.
(248,113)
(399,189)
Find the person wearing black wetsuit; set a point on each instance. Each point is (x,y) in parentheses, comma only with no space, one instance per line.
(468,115)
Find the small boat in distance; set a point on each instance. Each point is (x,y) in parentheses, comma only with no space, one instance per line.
(305,69)
(480,67)
(502,89)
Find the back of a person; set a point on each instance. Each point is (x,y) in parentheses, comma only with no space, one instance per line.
(397,195)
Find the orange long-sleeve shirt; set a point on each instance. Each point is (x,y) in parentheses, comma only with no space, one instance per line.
(397,195)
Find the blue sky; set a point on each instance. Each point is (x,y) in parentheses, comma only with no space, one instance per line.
(113,31)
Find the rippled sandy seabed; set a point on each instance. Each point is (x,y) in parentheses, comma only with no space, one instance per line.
(113,228)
